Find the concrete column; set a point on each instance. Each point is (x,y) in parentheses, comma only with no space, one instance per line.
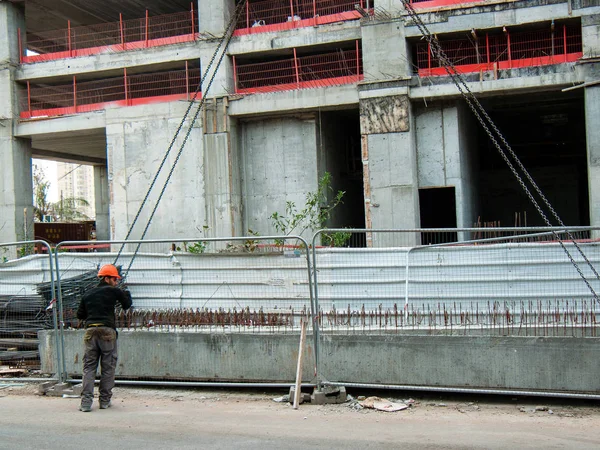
(222,172)
(385,61)
(101,203)
(592,124)
(389,166)
(214,16)
(16,193)
(590,29)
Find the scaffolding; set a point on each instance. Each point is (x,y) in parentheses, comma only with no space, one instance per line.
(126,90)
(503,50)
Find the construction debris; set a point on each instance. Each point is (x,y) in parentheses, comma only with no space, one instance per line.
(381,404)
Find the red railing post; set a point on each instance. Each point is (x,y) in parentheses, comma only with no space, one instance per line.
(146,31)
(357,62)
(74,94)
(125,85)
(296,68)
(429,59)
(248,14)
(315,11)
(192,14)
(20,46)
(235,80)
(508,46)
(121,28)
(565,40)
(292,10)
(187,82)
(487,47)
(69,44)
(29,98)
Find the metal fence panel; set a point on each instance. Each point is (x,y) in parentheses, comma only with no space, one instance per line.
(26,303)
(461,287)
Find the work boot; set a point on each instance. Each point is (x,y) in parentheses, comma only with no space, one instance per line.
(105,405)
(85,407)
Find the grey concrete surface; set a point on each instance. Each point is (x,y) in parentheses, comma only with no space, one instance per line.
(514,363)
(167,419)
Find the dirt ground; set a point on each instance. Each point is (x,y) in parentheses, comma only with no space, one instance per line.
(220,418)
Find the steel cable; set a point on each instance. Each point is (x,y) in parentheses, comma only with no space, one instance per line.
(224,40)
(459,80)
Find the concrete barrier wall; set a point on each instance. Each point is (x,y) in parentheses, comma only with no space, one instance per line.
(519,363)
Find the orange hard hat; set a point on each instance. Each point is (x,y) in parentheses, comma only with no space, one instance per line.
(108,271)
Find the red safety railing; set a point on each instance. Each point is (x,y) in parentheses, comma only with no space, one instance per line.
(419,4)
(508,50)
(277,15)
(111,37)
(330,69)
(126,90)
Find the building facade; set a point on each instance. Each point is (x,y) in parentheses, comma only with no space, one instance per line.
(304,88)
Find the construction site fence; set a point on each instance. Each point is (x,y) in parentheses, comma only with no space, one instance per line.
(531,281)
(127,90)
(512,281)
(118,36)
(503,49)
(27,305)
(343,66)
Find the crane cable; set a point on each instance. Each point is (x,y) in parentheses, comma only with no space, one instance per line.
(485,120)
(223,44)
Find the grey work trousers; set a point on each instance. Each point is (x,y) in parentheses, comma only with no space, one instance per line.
(100,347)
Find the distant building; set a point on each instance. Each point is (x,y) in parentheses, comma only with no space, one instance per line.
(77,181)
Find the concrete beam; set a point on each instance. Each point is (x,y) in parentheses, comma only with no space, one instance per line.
(109,63)
(294,101)
(65,124)
(299,37)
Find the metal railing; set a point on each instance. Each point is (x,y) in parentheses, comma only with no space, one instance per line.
(150,31)
(127,90)
(503,49)
(305,72)
(263,16)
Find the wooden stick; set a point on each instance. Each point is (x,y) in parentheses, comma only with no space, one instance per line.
(299,368)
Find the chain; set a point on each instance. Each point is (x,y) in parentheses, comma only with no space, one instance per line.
(478,110)
(224,41)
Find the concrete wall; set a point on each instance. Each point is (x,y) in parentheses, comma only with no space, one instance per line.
(517,363)
(137,140)
(101,190)
(590,34)
(279,164)
(446,155)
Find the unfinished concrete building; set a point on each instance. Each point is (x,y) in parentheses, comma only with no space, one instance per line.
(306,87)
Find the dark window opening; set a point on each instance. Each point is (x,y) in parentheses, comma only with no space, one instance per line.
(438,210)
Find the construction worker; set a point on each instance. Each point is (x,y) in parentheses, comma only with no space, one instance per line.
(97,311)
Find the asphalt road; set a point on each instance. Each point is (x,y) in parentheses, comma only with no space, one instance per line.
(168,419)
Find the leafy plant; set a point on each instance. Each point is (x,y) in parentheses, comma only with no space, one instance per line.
(197,247)
(250,244)
(313,215)
(336,238)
